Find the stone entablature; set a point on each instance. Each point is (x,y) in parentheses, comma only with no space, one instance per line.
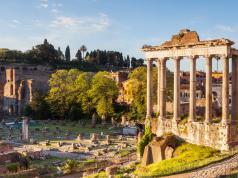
(187,44)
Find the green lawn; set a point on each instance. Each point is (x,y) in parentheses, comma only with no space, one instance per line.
(188,157)
(74,127)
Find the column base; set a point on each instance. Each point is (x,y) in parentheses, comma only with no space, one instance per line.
(175,129)
(148,116)
(161,118)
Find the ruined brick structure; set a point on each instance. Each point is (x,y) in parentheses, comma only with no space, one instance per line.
(18,82)
(186,44)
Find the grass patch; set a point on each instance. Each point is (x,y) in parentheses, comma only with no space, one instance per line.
(125,152)
(98,175)
(188,157)
(73,126)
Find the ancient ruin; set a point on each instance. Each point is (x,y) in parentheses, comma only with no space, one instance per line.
(18,82)
(187,44)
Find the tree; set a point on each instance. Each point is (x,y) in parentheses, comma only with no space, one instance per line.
(79,55)
(135,90)
(82,87)
(83,49)
(60,54)
(43,53)
(103,92)
(61,96)
(67,53)
(38,107)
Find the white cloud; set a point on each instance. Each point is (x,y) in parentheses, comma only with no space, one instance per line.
(44,5)
(55,11)
(57,5)
(82,24)
(15,21)
(225,28)
(44,0)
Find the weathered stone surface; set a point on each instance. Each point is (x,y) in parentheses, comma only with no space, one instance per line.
(111,170)
(160,149)
(187,44)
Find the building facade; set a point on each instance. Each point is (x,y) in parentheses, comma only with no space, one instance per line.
(18,82)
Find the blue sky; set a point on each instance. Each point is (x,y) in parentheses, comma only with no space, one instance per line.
(123,25)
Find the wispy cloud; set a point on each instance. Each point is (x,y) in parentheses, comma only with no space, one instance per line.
(225,28)
(82,24)
(55,11)
(44,5)
(15,21)
(57,5)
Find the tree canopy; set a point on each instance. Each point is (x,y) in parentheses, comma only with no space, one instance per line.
(81,93)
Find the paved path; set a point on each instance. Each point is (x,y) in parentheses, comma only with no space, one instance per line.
(211,171)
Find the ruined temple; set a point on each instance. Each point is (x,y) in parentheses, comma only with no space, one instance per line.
(187,45)
(18,82)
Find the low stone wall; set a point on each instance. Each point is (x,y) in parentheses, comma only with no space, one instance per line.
(9,158)
(5,147)
(215,135)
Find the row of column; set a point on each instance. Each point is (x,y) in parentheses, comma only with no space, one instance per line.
(161,90)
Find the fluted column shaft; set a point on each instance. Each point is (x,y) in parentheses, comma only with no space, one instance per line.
(225,90)
(234,97)
(158,86)
(176,104)
(149,89)
(162,89)
(192,90)
(208,112)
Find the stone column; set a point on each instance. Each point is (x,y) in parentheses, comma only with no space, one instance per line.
(208,111)
(25,132)
(192,88)
(149,88)
(225,90)
(163,89)
(176,89)
(234,100)
(158,87)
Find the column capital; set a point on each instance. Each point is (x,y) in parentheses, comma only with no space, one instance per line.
(224,56)
(149,59)
(208,56)
(193,57)
(164,59)
(177,58)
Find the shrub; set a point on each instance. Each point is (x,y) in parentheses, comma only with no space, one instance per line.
(146,139)
(13,167)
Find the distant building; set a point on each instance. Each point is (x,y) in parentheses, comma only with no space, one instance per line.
(120,77)
(18,82)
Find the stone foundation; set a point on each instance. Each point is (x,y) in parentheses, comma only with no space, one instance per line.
(215,135)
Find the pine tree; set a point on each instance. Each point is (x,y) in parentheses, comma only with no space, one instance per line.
(83,49)
(60,54)
(67,54)
(79,55)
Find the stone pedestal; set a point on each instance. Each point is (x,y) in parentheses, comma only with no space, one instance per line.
(79,137)
(94,137)
(108,141)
